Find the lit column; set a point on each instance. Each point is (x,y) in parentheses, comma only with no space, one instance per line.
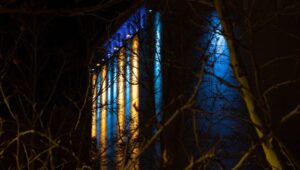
(94,105)
(121,108)
(135,98)
(103,118)
(98,110)
(157,66)
(127,84)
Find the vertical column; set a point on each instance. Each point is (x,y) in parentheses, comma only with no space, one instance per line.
(121,108)
(94,105)
(128,83)
(98,110)
(103,119)
(157,75)
(135,99)
(114,112)
(157,66)
(110,113)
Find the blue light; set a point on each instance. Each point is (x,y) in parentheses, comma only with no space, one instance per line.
(98,111)
(114,95)
(109,98)
(127,84)
(131,26)
(157,73)
(113,109)
(221,104)
(157,66)
(216,97)
(109,109)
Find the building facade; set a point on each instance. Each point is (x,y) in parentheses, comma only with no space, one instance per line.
(155,100)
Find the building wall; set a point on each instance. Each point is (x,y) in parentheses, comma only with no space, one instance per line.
(212,115)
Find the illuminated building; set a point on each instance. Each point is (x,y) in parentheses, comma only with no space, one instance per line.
(135,79)
(116,83)
(141,106)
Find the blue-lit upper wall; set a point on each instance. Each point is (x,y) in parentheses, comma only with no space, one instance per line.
(218,62)
(131,26)
(215,96)
(221,104)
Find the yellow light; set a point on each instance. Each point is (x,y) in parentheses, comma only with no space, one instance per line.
(103,119)
(94,104)
(121,106)
(135,98)
(121,95)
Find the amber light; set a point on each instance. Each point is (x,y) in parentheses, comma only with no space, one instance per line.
(121,106)
(94,106)
(103,118)
(134,98)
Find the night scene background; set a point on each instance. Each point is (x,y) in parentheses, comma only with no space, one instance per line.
(150,84)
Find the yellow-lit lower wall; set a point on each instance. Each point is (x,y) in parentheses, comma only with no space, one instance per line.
(133,148)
